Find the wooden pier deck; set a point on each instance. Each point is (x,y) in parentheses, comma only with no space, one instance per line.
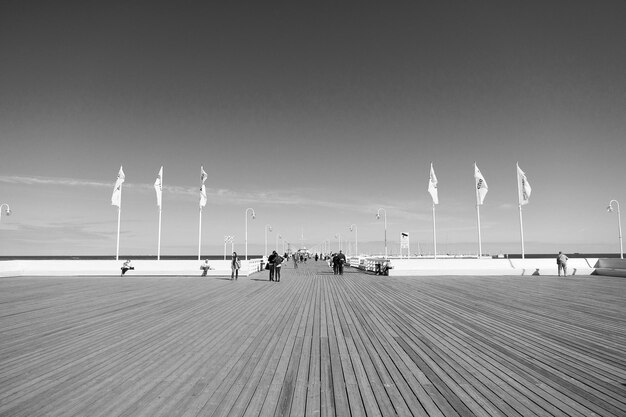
(314,344)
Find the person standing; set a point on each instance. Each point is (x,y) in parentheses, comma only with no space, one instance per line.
(278,263)
(561,263)
(271,262)
(235,265)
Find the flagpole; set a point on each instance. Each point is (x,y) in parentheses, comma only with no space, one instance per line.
(434,232)
(200,235)
(160,210)
(521,224)
(480,247)
(159,243)
(119,215)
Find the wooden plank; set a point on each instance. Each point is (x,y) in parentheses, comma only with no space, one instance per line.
(313,344)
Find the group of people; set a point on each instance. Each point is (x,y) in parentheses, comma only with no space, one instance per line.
(275,263)
(337,261)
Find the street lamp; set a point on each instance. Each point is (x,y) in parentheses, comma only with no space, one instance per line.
(619,225)
(253,217)
(338,236)
(267,228)
(279,237)
(7,210)
(356,238)
(378,217)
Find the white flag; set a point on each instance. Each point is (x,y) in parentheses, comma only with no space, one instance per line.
(158,187)
(116,198)
(523,187)
(202,196)
(481,185)
(432,185)
(203,177)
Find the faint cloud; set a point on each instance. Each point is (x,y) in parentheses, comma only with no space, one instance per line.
(70,182)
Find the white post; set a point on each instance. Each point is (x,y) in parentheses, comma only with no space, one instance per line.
(160,210)
(480,248)
(119,215)
(619,225)
(434,232)
(224,249)
(200,235)
(378,217)
(159,244)
(521,229)
(246,216)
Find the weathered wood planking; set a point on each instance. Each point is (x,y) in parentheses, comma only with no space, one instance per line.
(314,344)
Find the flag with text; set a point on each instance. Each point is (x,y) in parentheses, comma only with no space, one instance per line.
(523,187)
(481,185)
(432,185)
(116,198)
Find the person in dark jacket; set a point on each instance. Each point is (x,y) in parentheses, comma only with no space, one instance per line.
(341,259)
(235,265)
(271,261)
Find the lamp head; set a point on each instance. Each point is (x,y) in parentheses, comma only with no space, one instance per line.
(253,216)
(8,211)
(377,216)
(609,209)
(269,228)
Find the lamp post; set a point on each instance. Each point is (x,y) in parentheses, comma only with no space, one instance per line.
(267,228)
(356,238)
(619,225)
(7,210)
(378,217)
(253,217)
(277,238)
(338,236)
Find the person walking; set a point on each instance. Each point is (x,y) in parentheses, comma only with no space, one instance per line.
(295,261)
(235,265)
(271,262)
(334,263)
(561,263)
(341,259)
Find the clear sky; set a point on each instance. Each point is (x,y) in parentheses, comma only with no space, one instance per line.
(315,115)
